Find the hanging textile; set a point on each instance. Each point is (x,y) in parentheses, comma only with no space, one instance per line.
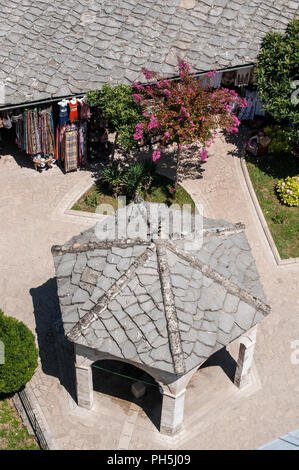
(6,122)
(84,110)
(70,147)
(47,131)
(254,106)
(63,112)
(83,143)
(17,120)
(73,110)
(217,79)
(32,143)
(243,76)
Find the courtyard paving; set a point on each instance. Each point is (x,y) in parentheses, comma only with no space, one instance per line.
(217,415)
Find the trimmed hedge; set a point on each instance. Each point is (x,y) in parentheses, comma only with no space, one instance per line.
(20,354)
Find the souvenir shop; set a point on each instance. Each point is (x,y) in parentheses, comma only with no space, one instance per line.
(68,133)
(242,80)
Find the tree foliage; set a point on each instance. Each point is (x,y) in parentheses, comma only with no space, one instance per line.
(20,354)
(276,69)
(184,112)
(118,107)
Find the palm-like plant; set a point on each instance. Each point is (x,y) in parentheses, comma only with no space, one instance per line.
(112,176)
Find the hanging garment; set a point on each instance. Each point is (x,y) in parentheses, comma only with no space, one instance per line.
(71,148)
(254,107)
(63,114)
(17,120)
(217,79)
(84,110)
(243,76)
(47,131)
(32,141)
(6,121)
(73,110)
(83,143)
(259,107)
(228,78)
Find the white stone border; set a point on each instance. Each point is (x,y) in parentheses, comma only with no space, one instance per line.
(64,208)
(259,212)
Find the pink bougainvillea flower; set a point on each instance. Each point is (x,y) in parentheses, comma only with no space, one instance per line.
(212,73)
(203,153)
(172,190)
(232,130)
(136,97)
(180,147)
(156,155)
(147,73)
(137,86)
(183,65)
(138,132)
(243,103)
(166,134)
(153,123)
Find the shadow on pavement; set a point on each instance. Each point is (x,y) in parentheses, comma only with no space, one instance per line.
(56,352)
(223,359)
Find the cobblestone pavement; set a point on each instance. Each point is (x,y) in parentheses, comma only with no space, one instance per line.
(217,415)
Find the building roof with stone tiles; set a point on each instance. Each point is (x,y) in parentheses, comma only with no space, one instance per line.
(57,48)
(165,302)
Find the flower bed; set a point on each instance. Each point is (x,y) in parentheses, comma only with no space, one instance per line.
(160,191)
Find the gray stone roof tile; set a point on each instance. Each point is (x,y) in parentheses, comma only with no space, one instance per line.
(58,39)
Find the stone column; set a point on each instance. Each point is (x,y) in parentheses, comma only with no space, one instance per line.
(84,386)
(172,414)
(246,351)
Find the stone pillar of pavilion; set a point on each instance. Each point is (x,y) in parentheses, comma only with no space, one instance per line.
(84,385)
(246,352)
(172,414)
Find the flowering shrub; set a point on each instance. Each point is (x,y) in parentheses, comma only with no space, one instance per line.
(288,190)
(183,112)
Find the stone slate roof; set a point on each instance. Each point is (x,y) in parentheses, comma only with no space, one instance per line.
(160,302)
(55,48)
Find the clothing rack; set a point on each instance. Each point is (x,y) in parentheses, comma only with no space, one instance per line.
(48,101)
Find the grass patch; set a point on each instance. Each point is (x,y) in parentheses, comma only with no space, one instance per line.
(13,435)
(283,221)
(158,192)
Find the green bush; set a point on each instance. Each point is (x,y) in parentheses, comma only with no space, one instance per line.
(112,178)
(121,111)
(131,180)
(288,191)
(20,354)
(276,70)
(281,141)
